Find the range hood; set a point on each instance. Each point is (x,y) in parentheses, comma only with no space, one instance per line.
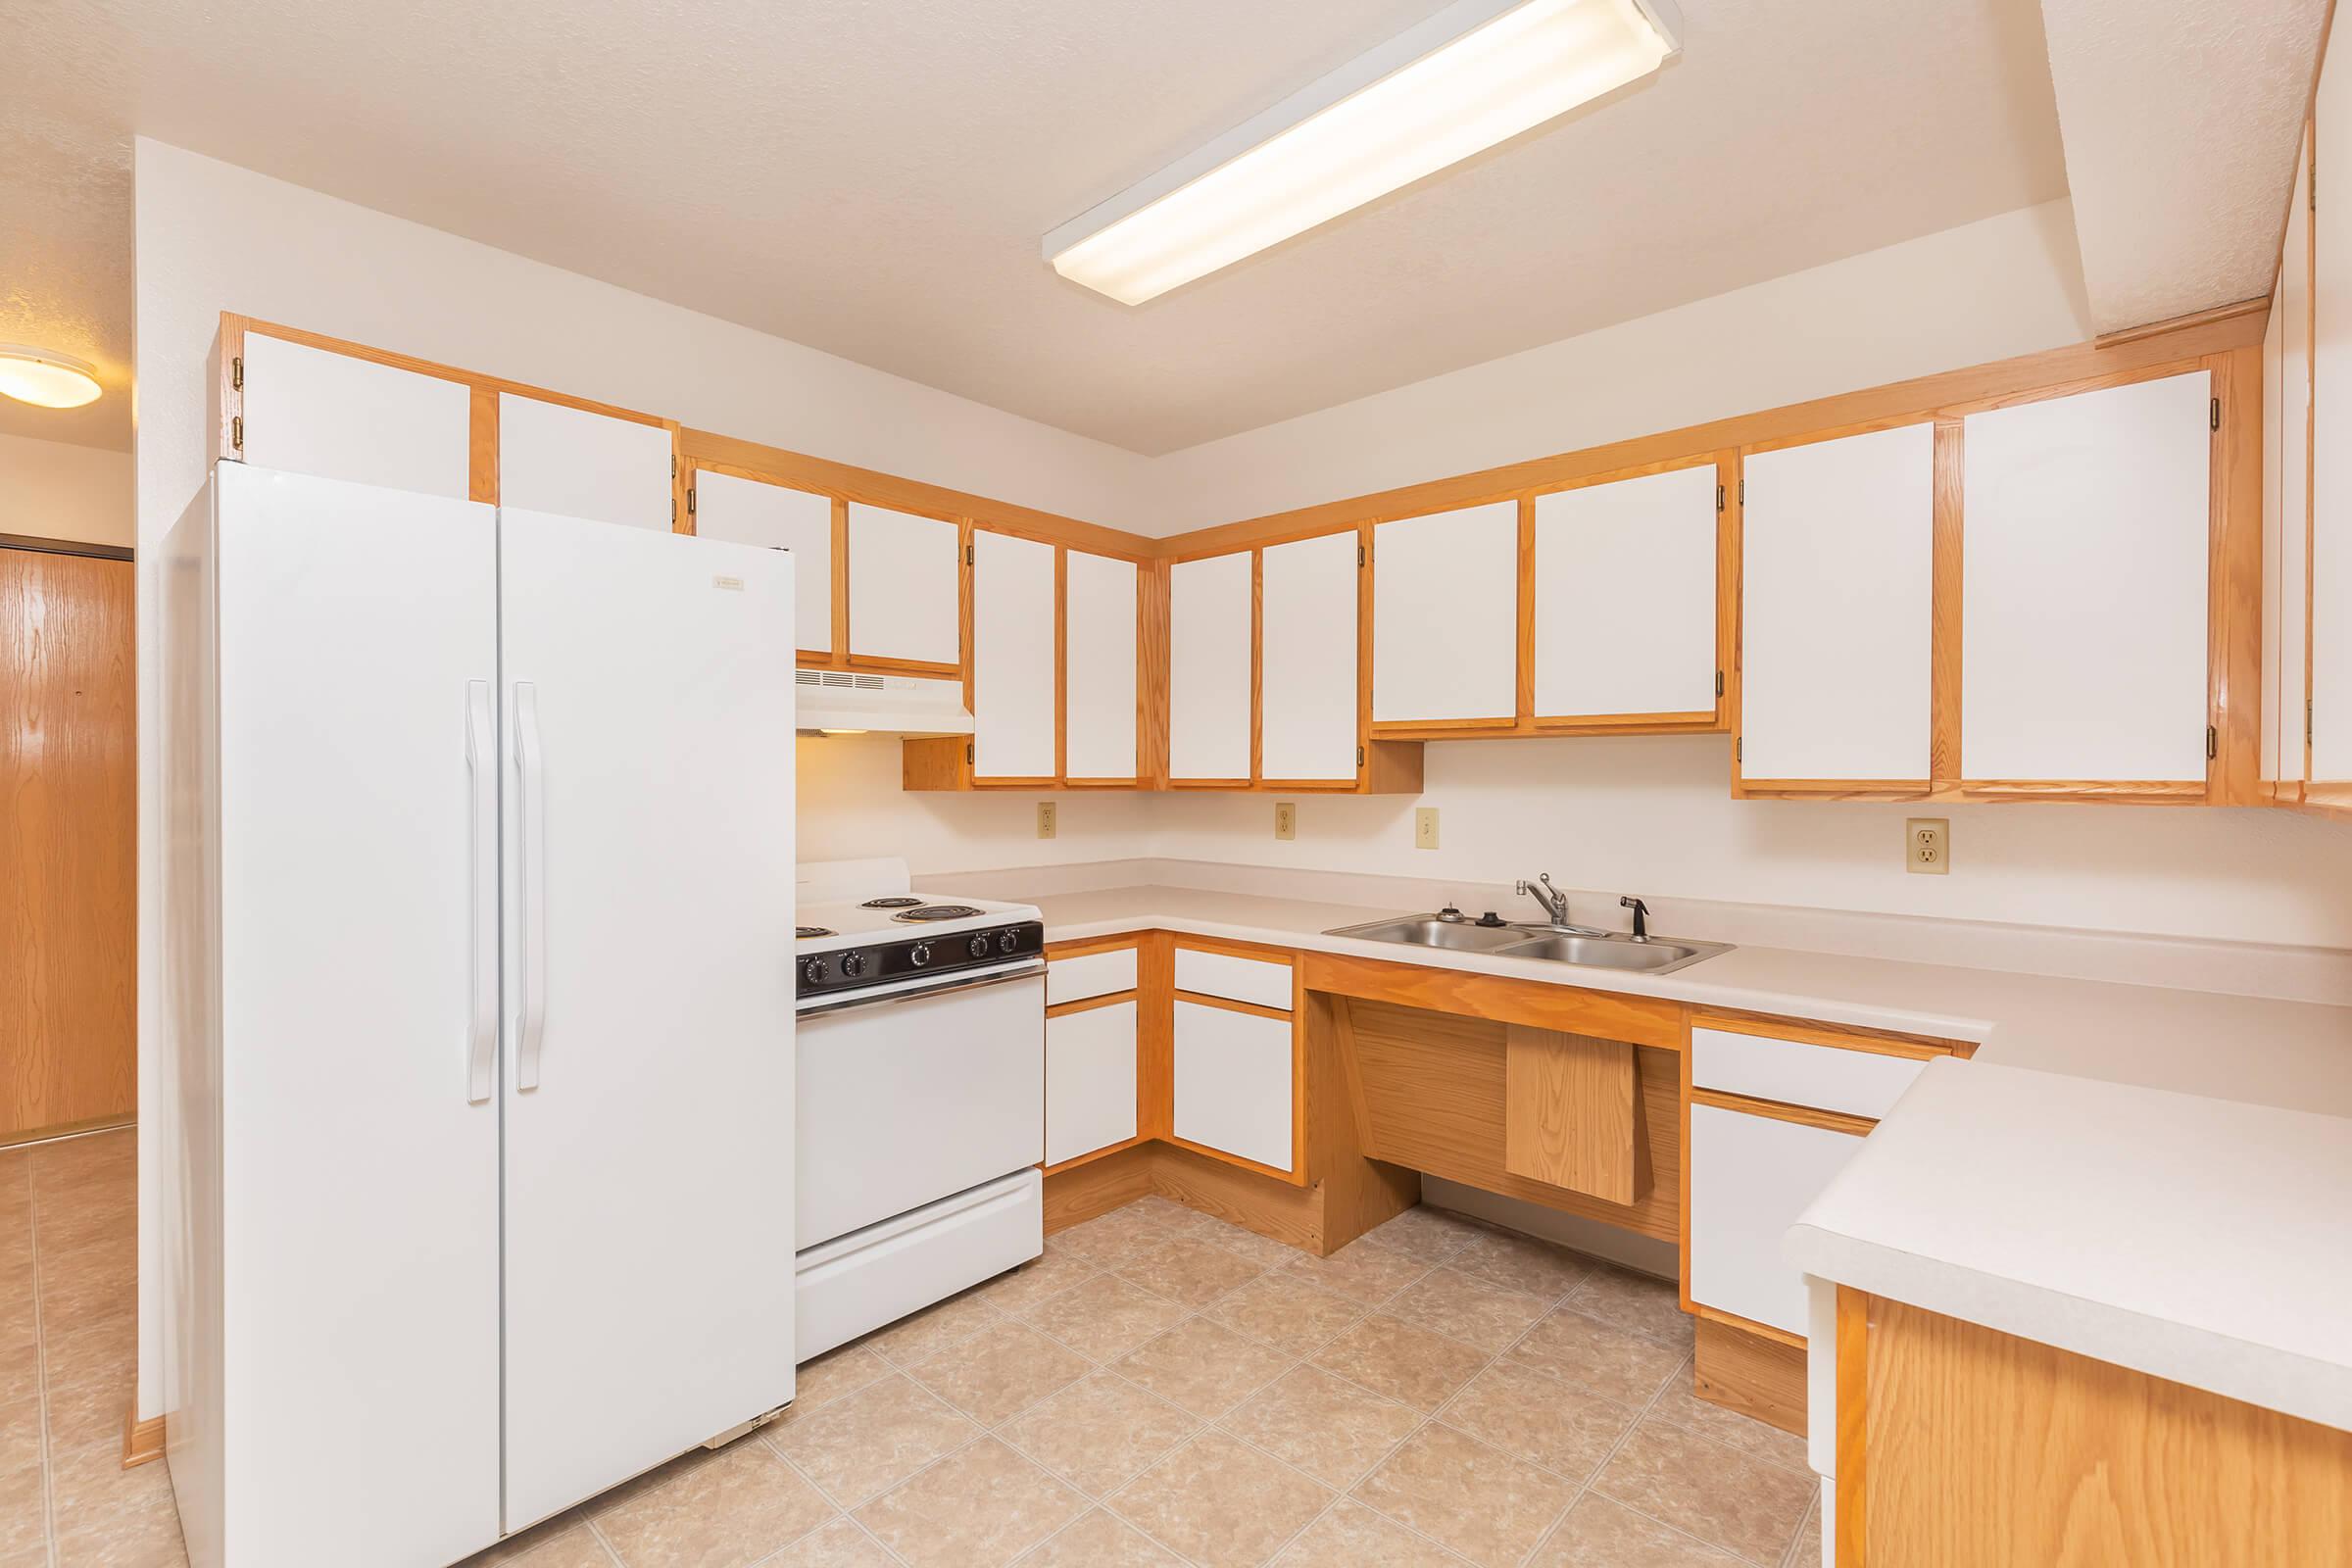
(852,702)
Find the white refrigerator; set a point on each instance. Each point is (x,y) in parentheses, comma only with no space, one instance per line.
(478,890)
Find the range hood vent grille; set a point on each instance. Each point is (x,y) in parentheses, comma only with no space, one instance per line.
(849,701)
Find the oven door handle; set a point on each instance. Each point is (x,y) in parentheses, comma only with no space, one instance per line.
(1027,971)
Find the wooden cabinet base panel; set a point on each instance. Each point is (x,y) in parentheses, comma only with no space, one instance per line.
(1320,1218)
(1430,1092)
(142,1441)
(1960,1445)
(1758,1377)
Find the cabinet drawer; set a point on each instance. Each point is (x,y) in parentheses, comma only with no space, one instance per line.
(1265,982)
(1090,1081)
(1750,1178)
(1233,1082)
(1860,1083)
(1089,974)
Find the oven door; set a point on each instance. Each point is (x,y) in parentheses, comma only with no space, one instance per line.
(909,1097)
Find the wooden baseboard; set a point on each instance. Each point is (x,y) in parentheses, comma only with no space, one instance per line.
(66,1129)
(142,1441)
(1749,1373)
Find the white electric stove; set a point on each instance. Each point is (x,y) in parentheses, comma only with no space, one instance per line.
(921,1022)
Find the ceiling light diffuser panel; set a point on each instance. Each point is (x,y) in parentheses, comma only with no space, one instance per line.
(1475,75)
(46,379)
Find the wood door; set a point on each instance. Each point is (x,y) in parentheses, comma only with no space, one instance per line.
(1308,682)
(1012,659)
(1625,599)
(1445,616)
(1099,695)
(1209,671)
(1837,556)
(68,923)
(2083,635)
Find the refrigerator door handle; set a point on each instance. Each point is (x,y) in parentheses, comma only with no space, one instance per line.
(481,767)
(531,764)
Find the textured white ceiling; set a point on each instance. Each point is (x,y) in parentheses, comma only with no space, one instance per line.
(872,177)
(2180,125)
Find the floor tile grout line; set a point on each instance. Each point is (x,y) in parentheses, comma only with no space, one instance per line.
(40,1365)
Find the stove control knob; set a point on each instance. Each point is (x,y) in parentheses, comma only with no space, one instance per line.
(1006,941)
(813,970)
(977,947)
(853,965)
(921,954)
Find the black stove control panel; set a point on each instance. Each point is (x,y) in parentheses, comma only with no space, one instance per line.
(878,963)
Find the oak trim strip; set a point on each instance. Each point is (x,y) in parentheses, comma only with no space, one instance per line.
(1229,1005)
(1828,1121)
(1062,1010)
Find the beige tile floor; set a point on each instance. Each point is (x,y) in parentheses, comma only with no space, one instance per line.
(1160,1389)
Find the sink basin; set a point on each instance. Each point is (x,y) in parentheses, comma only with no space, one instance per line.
(1655,956)
(1428,931)
(1592,951)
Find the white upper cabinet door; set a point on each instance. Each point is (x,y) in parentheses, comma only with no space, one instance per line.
(1208,668)
(1446,615)
(310,410)
(1625,597)
(1100,644)
(1013,657)
(1307,598)
(2330,585)
(904,585)
(566,461)
(1836,583)
(752,512)
(2088,526)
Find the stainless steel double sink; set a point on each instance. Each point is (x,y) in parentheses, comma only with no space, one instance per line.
(1596,950)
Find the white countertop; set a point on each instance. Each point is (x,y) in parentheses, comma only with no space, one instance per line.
(2296,1055)
(2203,1241)
(2158,1178)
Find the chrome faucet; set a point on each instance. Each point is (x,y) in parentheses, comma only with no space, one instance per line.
(1554,904)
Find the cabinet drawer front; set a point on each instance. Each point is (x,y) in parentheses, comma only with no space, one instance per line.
(1090,1081)
(1750,1178)
(1222,975)
(1089,974)
(1860,1083)
(1233,1082)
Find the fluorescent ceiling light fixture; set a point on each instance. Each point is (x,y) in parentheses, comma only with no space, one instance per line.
(49,380)
(1476,73)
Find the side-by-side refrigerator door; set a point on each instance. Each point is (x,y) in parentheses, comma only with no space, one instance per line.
(357,662)
(648,694)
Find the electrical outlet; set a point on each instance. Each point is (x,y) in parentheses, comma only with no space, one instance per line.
(1286,819)
(1045,819)
(1425,828)
(1927,846)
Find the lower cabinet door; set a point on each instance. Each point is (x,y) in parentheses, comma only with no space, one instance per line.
(1750,1178)
(1233,1082)
(1090,1081)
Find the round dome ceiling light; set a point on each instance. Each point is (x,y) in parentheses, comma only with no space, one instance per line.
(46,379)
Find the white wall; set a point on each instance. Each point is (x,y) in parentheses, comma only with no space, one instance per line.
(2002,287)
(57,490)
(1653,816)
(850,805)
(211,237)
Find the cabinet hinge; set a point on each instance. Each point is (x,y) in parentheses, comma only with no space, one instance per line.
(967,753)
(1719,498)
(1738,748)
(1719,683)
(690,500)
(967,554)
(2213,743)
(1359,557)
(2214,420)
(236,372)
(1743,490)
(1359,757)
(236,433)
(673,512)
(2307,722)
(674,465)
